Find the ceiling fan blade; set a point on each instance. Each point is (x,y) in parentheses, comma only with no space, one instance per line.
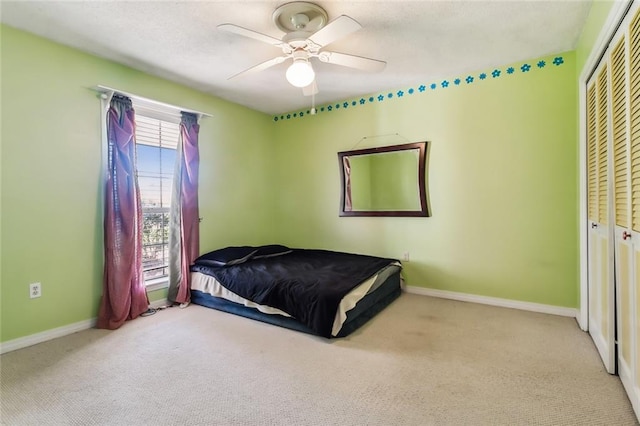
(262,66)
(231,28)
(340,27)
(311,89)
(352,61)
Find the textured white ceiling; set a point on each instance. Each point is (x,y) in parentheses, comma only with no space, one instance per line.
(419,40)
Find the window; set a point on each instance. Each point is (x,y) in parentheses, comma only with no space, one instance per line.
(156,143)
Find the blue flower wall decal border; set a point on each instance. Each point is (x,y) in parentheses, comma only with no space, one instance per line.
(525,68)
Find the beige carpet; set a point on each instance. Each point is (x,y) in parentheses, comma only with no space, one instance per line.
(422,361)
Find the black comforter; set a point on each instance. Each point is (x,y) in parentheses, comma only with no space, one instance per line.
(306,284)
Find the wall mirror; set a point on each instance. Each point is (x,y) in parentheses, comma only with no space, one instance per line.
(384,181)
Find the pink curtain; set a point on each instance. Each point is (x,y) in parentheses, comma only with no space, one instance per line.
(124,296)
(348,205)
(184,211)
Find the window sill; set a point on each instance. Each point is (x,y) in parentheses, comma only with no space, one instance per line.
(157,284)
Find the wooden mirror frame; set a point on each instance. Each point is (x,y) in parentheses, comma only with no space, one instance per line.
(424,211)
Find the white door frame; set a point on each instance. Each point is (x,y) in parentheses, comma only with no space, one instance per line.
(616,14)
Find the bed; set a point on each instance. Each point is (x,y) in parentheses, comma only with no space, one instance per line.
(321,292)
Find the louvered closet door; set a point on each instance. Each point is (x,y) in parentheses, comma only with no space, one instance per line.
(601,311)
(613,125)
(626,177)
(628,301)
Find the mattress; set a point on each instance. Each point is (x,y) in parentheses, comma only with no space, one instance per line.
(208,285)
(307,284)
(383,291)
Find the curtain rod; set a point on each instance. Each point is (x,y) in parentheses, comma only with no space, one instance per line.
(105,89)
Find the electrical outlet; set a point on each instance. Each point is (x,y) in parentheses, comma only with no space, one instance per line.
(35,290)
(405,256)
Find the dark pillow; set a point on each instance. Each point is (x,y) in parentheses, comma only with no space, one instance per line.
(271,251)
(227,256)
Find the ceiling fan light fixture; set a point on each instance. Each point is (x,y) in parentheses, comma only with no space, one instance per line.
(300,73)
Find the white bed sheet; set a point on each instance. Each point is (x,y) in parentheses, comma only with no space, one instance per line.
(208,284)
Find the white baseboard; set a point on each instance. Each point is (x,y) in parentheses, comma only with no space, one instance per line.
(54,333)
(494,301)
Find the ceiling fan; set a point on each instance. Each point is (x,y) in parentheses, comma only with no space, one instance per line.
(307,33)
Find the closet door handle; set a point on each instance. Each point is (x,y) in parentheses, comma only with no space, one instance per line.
(594,225)
(626,235)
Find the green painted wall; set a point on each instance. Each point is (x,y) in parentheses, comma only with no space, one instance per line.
(51,177)
(502,181)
